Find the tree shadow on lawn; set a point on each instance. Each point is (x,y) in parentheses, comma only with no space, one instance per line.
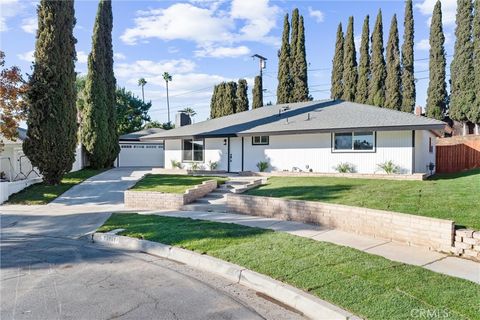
(307,193)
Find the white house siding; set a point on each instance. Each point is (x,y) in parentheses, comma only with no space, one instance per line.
(314,150)
(216,150)
(423,156)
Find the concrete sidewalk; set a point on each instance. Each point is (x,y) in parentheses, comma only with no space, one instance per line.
(431,260)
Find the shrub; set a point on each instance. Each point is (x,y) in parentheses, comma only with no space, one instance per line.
(195,166)
(212,165)
(262,166)
(389,167)
(345,167)
(176,164)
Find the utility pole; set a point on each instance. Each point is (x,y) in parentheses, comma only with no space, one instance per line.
(262,61)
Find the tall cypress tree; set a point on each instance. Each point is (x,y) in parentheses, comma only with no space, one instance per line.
(284,88)
(408,77)
(462,94)
(364,65)
(437,86)
(393,95)
(105,7)
(474,115)
(293,43)
(336,90)
(350,74)
(376,92)
(98,115)
(230,98)
(299,66)
(242,96)
(220,101)
(52,116)
(257,93)
(213,103)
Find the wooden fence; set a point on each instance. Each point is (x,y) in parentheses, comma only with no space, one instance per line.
(457,154)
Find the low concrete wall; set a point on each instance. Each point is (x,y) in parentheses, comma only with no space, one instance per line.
(161,200)
(9,188)
(467,244)
(436,234)
(382,176)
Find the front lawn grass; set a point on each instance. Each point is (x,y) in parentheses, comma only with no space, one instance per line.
(41,193)
(447,196)
(367,285)
(171,183)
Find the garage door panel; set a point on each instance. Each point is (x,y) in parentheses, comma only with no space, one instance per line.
(141,155)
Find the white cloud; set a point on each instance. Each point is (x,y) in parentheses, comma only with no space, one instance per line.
(205,24)
(148,69)
(119,56)
(29,25)
(223,52)
(26,56)
(9,9)
(423,44)
(316,14)
(82,57)
(449,8)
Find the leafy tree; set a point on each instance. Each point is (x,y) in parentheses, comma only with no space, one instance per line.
(98,128)
(393,81)
(284,88)
(132,112)
(299,66)
(462,95)
(13,108)
(408,77)
(188,110)
(376,91)
(219,102)
(213,103)
(52,125)
(142,82)
(474,115)
(257,93)
(437,86)
(230,98)
(337,69)
(294,37)
(167,77)
(350,74)
(364,65)
(158,124)
(242,96)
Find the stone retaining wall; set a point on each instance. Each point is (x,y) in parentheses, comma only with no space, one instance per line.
(436,234)
(161,200)
(467,244)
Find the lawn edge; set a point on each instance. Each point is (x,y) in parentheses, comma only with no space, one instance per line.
(309,305)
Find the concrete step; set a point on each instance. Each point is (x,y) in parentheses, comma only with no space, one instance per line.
(210,201)
(205,207)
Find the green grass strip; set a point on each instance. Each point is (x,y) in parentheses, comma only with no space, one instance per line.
(42,193)
(366,285)
(446,196)
(171,183)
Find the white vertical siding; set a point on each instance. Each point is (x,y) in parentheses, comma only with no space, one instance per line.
(215,151)
(423,156)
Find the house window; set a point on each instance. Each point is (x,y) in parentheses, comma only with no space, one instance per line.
(260,140)
(353,141)
(192,150)
(430,145)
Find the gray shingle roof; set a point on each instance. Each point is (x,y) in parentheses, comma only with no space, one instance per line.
(135,136)
(303,117)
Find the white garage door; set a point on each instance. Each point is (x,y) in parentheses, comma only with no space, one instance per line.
(141,155)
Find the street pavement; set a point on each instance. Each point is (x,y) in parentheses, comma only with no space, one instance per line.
(50,270)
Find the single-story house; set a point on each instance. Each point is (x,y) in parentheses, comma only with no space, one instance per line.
(136,153)
(313,136)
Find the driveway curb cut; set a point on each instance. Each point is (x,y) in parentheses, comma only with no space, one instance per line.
(310,306)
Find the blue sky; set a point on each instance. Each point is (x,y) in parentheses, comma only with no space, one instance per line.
(203,42)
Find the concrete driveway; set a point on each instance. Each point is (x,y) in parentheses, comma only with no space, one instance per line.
(49,269)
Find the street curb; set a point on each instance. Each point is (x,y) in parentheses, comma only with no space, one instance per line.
(309,305)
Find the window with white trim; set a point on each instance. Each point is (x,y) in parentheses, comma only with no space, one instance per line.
(192,150)
(260,140)
(353,141)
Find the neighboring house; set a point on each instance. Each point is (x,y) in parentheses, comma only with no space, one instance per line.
(309,136)
(135,153)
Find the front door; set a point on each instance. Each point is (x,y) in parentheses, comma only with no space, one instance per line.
(236,154)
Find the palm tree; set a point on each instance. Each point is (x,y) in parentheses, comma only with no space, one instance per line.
(142,82)
(167,77)
(191,113)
